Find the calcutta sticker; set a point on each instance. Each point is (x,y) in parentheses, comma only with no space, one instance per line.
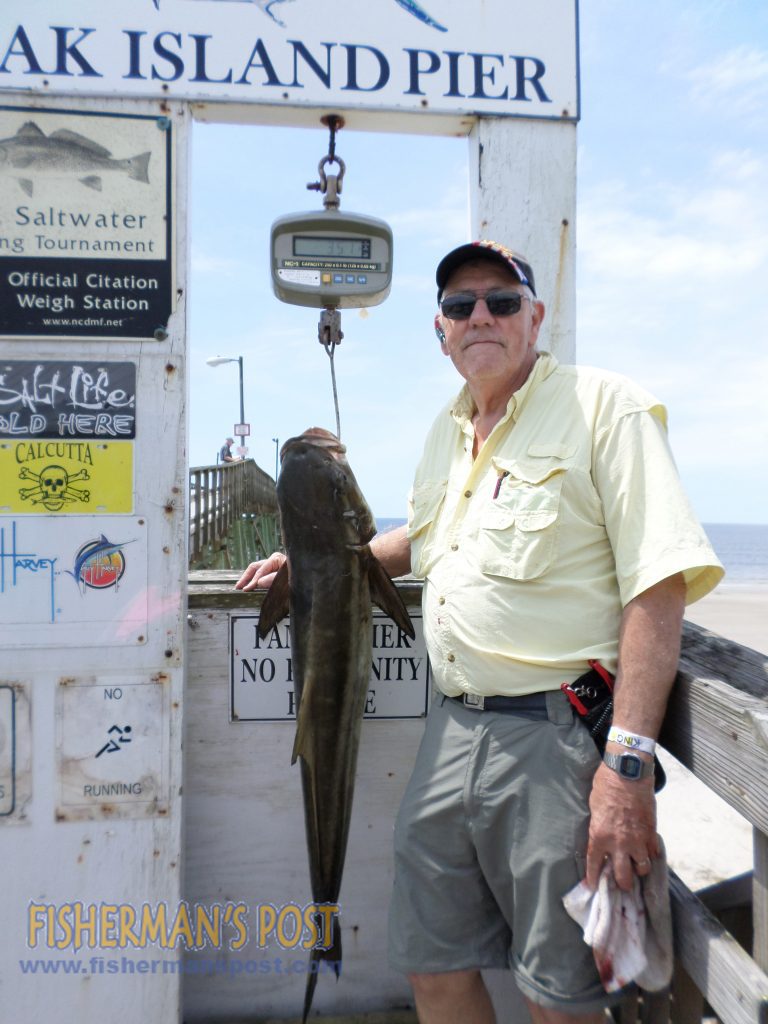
(66,477)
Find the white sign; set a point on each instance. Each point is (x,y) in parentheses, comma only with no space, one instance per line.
(261,675)
(7,750)
(499,57)
(73,581)
(242,429)
(112,747)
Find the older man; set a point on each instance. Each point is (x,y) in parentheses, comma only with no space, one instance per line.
(550,528)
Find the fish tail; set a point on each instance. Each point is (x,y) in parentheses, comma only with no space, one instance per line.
(318,957)
(138,167)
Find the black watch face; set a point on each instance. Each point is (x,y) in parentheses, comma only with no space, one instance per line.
(630,766)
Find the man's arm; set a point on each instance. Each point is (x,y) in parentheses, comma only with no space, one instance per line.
(623,822)
(393,550)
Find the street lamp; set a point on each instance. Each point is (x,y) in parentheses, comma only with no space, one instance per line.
(217,361)
(276,450)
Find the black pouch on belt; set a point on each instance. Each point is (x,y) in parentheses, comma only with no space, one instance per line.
(591,696)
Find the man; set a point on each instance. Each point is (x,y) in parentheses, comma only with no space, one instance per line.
(225,454)
(550,528)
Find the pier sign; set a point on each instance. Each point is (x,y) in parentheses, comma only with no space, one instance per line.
(85,224)
(438,57)
(261,671)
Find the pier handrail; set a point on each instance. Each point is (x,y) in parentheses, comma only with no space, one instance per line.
(220,494)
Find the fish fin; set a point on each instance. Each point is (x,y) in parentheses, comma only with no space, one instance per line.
(275,605)
(385,594)
(30,130)
(302,726)
(92,181)
(138,167)
(26,186)
(332,954)
(67,135)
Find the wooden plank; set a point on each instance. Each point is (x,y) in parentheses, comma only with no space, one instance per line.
(720,732)
(730,981)
(687,1001)
(760,900)
(654,1008)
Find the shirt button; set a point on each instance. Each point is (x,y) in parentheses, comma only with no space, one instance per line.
(454,547)
(451,657)
(441,600)
(467,494)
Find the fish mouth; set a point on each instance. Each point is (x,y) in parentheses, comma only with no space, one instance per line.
(315,437)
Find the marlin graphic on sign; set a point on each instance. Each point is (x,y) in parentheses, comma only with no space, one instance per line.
(266,5)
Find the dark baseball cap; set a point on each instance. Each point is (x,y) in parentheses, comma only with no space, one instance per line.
(488,250)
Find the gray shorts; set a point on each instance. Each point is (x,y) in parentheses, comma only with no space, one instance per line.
(490,835)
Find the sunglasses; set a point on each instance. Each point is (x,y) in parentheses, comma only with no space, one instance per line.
(460,307)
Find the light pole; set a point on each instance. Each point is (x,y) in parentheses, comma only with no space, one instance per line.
(277,443)
(217,361)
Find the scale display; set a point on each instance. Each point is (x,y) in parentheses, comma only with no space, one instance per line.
(331,259)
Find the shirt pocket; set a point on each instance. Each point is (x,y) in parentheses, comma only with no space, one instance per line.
(425,503)
(519,527)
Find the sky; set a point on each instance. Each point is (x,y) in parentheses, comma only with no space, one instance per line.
(672,260)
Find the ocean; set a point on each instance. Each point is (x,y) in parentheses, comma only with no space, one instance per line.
(742,548)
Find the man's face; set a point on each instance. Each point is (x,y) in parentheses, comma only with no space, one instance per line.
(486,348)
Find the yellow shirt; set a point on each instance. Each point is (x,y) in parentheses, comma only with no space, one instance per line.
(530,551)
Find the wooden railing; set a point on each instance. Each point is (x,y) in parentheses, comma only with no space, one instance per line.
(717,726)
(218,495)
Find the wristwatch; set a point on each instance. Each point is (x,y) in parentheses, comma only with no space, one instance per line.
(629,766)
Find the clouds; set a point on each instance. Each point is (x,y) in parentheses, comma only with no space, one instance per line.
(734,82)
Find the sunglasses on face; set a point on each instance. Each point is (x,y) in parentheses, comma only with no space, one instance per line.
(461,305)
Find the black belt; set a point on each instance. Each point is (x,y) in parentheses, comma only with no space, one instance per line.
(519,705)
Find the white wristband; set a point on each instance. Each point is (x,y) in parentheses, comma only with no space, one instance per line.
(631,740)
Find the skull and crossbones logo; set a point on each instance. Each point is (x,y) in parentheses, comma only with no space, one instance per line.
(53,487)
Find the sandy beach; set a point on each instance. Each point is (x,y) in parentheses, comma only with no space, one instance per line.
(706,840)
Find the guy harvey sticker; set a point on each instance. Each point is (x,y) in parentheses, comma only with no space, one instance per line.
(66,477)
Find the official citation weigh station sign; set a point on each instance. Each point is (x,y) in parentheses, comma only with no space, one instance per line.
(444,57)
(85,223)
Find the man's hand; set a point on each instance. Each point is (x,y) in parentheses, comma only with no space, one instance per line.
(622,827)
(261,574)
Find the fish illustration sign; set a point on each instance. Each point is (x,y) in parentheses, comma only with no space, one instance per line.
(445,57)
(85,224)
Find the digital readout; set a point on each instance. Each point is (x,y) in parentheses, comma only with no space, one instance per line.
(340,248)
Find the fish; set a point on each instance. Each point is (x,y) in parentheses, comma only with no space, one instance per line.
(418,12)
(408,5)
(327,585)
(31,154)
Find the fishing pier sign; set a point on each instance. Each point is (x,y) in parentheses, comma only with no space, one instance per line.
(443,57)
(261,677)
(85,224)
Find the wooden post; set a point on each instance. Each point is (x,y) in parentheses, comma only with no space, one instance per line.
(523,193)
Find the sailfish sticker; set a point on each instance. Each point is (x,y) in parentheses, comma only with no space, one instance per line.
(408,5)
